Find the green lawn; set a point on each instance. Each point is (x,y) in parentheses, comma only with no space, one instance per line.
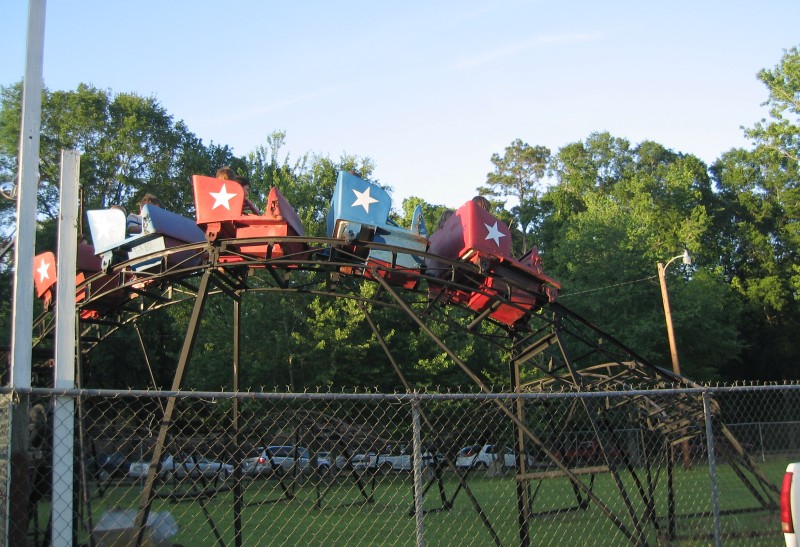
(346,518)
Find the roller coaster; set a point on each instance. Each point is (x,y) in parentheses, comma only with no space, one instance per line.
(462,278)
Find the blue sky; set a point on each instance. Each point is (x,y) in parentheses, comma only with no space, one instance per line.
(428,90)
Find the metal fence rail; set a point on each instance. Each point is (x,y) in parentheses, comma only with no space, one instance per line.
(411,469)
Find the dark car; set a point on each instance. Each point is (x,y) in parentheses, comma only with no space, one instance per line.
(108,466)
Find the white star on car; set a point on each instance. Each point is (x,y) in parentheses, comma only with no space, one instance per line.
(43,270)
(104,235)
(222,198)
(494,233)
(363,199)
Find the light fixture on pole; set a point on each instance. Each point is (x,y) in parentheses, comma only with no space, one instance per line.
(662,268)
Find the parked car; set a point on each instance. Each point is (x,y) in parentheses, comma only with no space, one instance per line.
(183,465)
(108,466)
(483,456)
(394,459)
(790,504)
(588,453)
(281,458)
(585,452)
(326,459)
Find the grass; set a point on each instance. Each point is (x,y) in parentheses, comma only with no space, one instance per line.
(346,518)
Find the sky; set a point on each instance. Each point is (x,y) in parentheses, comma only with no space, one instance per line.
(428,90)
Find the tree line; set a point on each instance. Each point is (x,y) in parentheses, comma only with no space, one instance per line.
(602,211)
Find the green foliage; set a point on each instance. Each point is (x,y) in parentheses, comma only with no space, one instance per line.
(516,174)
(782,133)
(129,146)
(604,241)
(757,236)
(613,211)
(307,183)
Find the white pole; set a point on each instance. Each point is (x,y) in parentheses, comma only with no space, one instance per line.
(27,188)
(64,376)
(22,310)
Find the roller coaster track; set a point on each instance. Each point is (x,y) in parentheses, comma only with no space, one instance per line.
(566,352)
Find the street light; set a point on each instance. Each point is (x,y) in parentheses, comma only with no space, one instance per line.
(676,367)
(662,268)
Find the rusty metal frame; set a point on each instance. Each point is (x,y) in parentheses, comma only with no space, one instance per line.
(537,342)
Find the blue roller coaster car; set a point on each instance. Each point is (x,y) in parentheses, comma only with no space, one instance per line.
(359,213)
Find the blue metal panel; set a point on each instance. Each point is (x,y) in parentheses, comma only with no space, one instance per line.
(358,200)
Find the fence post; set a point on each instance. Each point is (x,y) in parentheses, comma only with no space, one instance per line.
(712,468)
(418,463)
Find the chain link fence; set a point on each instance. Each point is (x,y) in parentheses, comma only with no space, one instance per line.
(407,469)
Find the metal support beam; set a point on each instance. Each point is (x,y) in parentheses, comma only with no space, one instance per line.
(237,451)
(523,503)
(712,468)
(186,354)
(503,408)
(64,375)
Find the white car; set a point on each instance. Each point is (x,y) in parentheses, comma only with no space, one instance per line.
(483,456)
(396,459)
(283,458)
(790,504)
(182,466)
(325,459)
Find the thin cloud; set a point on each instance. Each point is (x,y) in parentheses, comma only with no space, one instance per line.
(508,51)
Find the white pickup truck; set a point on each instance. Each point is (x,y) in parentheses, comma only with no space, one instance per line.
(790,504)
(395,459)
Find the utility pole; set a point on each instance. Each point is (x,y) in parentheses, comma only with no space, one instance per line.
(22,307)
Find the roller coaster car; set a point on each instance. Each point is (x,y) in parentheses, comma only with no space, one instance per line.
(160,230)
(359,213)
(506,289)
(44,277)
(218,205)
(88,265)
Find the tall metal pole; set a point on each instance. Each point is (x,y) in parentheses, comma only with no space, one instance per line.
(22,320)
(64,377)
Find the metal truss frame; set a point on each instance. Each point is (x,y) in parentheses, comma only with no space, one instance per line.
(567,352)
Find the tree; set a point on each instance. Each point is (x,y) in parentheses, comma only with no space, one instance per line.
(307,183)
(516,174)
(646,204)
(129,144)
(756,225)
(782,133)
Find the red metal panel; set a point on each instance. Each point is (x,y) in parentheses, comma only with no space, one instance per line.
(483,232)
(87,261)
(216,199)
(44,272)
